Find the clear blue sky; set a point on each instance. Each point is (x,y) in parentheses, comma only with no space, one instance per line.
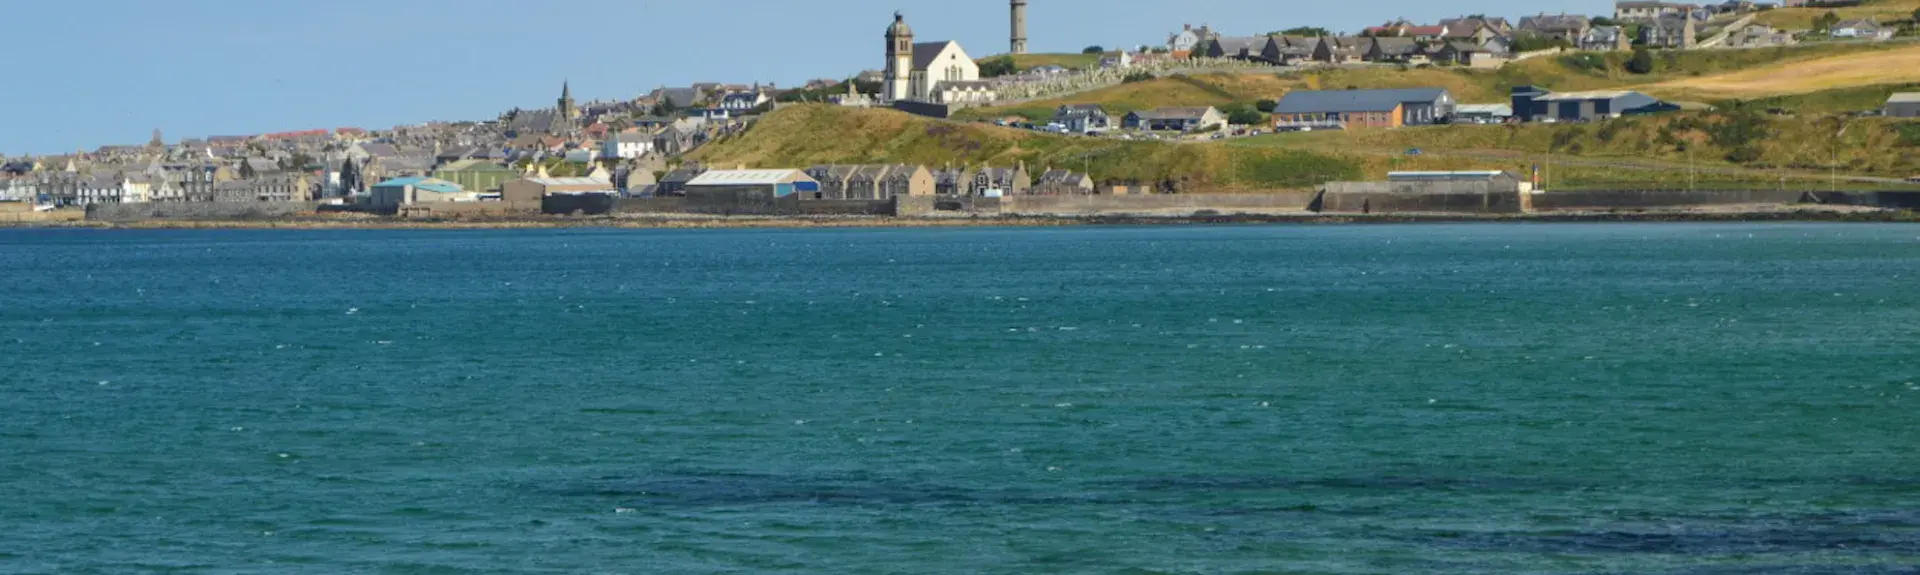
(110,71)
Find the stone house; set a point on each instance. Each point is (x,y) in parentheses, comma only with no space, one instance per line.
(1641,11)
(675,182)
(1679,33)
(1605,39)
(952,181)
(1341,50)
(1395,50)
(1062,183)
(1471,55)
(1005,181)
(1564,27)
(832,178)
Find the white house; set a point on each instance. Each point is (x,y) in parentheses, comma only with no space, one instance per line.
(626,146)
(1865,28)
(742,101)
(1187,38)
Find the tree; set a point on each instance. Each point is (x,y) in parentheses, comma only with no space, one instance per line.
(1916,16)
(1304,31)
(349,176)
(994,67)
(1266,106)
(1825,22)
(1642,61)
(1093,50)
(1242,114)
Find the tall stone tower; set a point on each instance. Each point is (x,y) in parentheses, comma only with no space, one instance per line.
(899,60)
(566,102)
(1019,27)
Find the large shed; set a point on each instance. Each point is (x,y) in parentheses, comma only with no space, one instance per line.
(1903,105)
(746,191)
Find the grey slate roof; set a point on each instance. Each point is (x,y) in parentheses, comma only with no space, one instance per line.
(1324,101)
(925,52)
(1554,23)
(1396,46)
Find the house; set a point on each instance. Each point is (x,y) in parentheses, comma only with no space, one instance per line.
(1189,38)
(1903,105)
(1476,30)
(1082,118)
(476,175)
(1405,29)
(952,181)
(1605,39)
(1472,55)
(1248,48)
(1533,104)
(1175,119)
(1564,27)
(994,182)
(882,181)
(1395,50)
(1641,11)
(1062,183)
(1760,36)
(832,179)
(1463,25)
(746,191)
(1678,33)
(1363,108)
(1341,50)
(1864,28)
(741,102)
(1290,50)
(534,188)
(626,145)
(417,190)
(915,71)
(1482,113)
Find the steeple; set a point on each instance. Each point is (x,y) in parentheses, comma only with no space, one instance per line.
(566,101)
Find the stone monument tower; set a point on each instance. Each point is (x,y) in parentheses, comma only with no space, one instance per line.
(1019,27)
(899,60)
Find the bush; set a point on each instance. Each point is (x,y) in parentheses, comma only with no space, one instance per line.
(1642,61)
(994,67)
(1140,76)
(1909,133)
(1093,50)
(1242,114)
(1609,129)
(1586,62)
(1744,155)
(1266,106)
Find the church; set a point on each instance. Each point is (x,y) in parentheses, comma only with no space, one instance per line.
(931,72)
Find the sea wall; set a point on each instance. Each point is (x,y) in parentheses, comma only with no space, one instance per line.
(1588,200)
(469,210)
(33,217)
(216,211)
(1182,204)
(1365,201)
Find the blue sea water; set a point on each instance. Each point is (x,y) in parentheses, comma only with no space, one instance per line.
(1474,398)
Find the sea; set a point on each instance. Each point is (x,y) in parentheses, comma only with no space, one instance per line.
(1671,398)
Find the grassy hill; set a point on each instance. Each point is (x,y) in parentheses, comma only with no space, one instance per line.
(1803,75)
(1802,18)
(1644,152)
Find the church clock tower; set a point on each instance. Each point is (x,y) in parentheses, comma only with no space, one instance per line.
(899,60)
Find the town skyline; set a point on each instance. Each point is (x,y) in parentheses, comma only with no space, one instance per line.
(378,84)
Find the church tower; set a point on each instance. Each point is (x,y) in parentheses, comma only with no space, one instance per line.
(899,60)
(566,102)
(565,114)
(1019,27)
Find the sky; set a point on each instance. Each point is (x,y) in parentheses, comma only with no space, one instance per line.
(104,72)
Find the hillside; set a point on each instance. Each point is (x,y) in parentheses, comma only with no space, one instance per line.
(1802,18)
(1646,152)
(1894,66)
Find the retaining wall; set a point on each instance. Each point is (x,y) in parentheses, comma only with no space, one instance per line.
(49,216)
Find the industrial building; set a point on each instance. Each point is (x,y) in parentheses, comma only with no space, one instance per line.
(1538,105)
(1903,105)
(417,190)
(747,191)
(1363,108)
(535,188)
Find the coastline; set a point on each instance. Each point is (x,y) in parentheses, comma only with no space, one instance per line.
(1740,214)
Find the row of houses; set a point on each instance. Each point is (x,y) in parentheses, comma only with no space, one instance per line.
(1351,109)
